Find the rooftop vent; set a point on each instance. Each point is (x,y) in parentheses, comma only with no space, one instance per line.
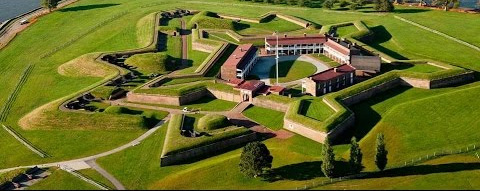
(335,70)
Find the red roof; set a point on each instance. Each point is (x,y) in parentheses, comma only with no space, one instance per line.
(277,89)
(337,46)
(237,58)
(331,74)
(308,39)
(251,85)
(235,81)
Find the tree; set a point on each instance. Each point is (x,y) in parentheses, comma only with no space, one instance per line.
(50,4)
(328,166)
(383,5)
(355,156)
(381,152)
(328,4)
(302,3)
(255,159)
(344,3)
(478,4)
(446,3)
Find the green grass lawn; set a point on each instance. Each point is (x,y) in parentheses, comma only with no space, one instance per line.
(195,58)
(316,110)
(446,173)
(175,142)
(326,60)
(221,37)
(204,104)
(399,114)
(61,180)
(275,24)
(95,176)
(292,158)
(177,81)
(269,118)
(292,70)
(346,30)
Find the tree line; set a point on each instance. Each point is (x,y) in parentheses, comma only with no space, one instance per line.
(256,159)
(379,5)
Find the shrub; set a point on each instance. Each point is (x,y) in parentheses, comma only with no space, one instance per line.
(212,122)
(344,3)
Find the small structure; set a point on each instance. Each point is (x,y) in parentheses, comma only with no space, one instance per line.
(249,88)
(240,62)
(346,52)
(329,80)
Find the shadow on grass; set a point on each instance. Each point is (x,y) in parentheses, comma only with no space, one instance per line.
(410,10)
(303,171)
(366,117)
(425,169)
(382,35)
(89,7)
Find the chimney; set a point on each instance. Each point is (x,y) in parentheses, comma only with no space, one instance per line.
(285,35)
(304,34)
(335,70)
(241,49)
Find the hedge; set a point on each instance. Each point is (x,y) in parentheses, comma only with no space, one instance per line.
(175,142)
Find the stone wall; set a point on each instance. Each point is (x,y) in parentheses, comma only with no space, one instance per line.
(166,100)
(227,96)
(304,130)
(206,150)
(469,76)
(282,107)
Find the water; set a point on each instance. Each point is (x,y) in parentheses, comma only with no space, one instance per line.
(12,8)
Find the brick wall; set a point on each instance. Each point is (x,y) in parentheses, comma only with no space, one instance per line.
(282,107)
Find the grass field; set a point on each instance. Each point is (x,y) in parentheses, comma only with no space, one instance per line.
(446,173)
(61,180)
(269,118)
(291,158)
(316,110)
(266,28)
(346,30)
(195,58)
(204,104)
(95,176)
(292,70)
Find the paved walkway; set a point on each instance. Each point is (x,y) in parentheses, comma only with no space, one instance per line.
(265,64)
(104,173)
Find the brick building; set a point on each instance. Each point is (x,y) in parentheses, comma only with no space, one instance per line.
(341,51)
(240,62)
(329,80)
